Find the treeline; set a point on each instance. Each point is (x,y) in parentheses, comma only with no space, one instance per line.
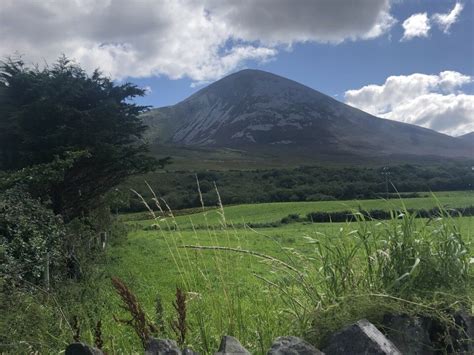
(311,183)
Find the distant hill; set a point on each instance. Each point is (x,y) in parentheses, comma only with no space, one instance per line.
(259,112)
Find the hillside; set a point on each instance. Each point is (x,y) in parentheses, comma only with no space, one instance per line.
(468,137)
(262,113)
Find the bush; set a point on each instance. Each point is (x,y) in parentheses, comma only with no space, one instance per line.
(30,234)
(293,217)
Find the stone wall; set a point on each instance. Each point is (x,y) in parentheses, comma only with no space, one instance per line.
(403,335)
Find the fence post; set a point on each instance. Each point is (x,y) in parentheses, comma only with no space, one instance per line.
(46,271)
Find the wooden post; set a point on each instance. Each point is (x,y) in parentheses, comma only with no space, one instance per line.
(46,271)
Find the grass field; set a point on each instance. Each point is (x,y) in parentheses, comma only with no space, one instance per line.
(270,212)
(234,292)
(298,279)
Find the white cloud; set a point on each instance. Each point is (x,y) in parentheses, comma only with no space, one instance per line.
(445,21)
(432,101)
(417,25)
(202,40)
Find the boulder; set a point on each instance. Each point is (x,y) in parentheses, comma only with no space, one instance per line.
(410,334)
(162,347)
(360,338)
(230,345)
(292,346)
(82,349)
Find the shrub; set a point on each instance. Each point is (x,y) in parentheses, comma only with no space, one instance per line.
(30,235)
(293,217)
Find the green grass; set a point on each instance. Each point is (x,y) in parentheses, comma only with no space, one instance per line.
(240,294)
(259,298)
(271,212)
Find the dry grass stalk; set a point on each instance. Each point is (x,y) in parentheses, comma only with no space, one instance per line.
(199,192)
(179,325)
(145,204)
(139,322)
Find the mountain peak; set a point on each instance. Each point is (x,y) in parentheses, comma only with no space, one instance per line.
(253,72)
(250,75)
(253,83)
(254,109)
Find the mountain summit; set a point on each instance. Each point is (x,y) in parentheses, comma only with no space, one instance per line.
(253,109)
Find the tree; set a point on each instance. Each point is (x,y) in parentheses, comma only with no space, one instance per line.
(48,114)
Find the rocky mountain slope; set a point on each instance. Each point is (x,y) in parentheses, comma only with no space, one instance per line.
(256,111)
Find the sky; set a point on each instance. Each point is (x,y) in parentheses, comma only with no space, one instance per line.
(405,60)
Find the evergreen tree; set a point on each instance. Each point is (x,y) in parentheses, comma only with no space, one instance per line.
(51,113)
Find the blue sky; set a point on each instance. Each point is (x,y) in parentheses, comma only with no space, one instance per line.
(407,60)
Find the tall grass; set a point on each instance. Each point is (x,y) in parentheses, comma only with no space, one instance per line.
(257,286)
(402,264)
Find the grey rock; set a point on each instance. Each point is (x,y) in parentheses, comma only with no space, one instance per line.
(187,351)
(463,333)
(292,346)
(82,349)
(162,347)
(360,338)
(410,334)
(230,345)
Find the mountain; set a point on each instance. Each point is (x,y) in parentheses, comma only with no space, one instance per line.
(468,137)
(257,111)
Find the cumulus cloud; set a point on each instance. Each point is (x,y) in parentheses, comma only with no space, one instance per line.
(288,21)
(445,21)
(431,101)
(202,40)
(417,25)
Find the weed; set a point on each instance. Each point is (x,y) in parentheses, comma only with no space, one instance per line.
(139,321)
(179,325)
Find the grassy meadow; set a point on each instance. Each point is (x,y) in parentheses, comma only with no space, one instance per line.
(300,279)
(252,296)
(270,212)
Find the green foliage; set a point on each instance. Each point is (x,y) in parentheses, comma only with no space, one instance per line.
(47,113)
(312,183)
(40,179)
(29,235)
(66,139)
(418,258)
